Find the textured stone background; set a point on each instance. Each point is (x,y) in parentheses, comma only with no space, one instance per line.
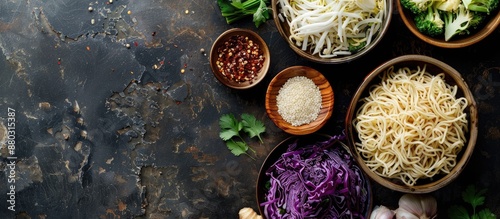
(110,130)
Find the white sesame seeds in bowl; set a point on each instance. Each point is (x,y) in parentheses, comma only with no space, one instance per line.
(299,100)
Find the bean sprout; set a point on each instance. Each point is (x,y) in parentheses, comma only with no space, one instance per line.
(327,27)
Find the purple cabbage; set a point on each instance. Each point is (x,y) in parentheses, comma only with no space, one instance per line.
(319,180)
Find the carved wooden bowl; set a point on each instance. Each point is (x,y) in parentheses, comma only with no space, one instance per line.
(284,30)
(326,95)
(458,41)
(223,38)
(452,78)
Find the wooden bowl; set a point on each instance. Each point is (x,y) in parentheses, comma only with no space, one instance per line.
(452,77)
(303,141)
(284,30)
(457,41)
(326,95)
(221,40)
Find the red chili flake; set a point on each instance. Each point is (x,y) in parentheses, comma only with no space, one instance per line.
(240,59)
(185,65)
(178,102)
(58,61)
(162,62)
(136,44)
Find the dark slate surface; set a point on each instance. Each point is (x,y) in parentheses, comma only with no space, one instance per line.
(104,130)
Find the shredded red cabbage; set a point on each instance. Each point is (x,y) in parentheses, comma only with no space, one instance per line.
(316,181)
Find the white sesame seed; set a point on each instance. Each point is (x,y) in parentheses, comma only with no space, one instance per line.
(299,101)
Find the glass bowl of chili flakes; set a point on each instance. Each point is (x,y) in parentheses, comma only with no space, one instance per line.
(239,58)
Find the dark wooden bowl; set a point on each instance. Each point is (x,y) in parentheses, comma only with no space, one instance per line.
(455,42)
(304,140)
(256,39)
(326,94)
(284,30)
(452,77)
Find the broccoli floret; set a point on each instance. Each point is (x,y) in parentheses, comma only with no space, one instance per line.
(484,6)
(457,22)
(355,45)
(477,19)
(430,23)
(448,5)
(416,6)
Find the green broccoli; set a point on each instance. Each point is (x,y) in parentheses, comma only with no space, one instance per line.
(416,6)
(430,23)
(484,6)
(477,19)
(448,5)
(457,22)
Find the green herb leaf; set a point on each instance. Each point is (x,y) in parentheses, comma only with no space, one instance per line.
(237,4)
(234,10)
(486,214)
(261,15)
(230,127)
(226,7)
(473,196)
(458,212)
(252,126)
(237,147)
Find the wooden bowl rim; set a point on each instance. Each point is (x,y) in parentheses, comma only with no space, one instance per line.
(326,105)
(472,134)
(461,42)
(257,39)
(339,59)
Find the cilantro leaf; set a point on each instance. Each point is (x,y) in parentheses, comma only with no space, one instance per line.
(230,127)
(473,196)
(458,212)
(252,126)
(486,214)
(237,147)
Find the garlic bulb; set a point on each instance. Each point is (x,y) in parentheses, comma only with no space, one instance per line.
(382,212)
(413,206)
(248,213)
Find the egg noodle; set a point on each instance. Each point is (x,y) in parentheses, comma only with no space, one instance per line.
(324,26)
(411,126)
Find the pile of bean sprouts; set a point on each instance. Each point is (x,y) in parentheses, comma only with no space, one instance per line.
(327,27)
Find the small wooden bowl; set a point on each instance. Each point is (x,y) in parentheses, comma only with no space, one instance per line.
(326,95)
(224,37)
(452,77)
(284,30)
(456,41)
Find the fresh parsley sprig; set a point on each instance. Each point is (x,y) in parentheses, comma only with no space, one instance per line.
(475,198)
(231,130)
